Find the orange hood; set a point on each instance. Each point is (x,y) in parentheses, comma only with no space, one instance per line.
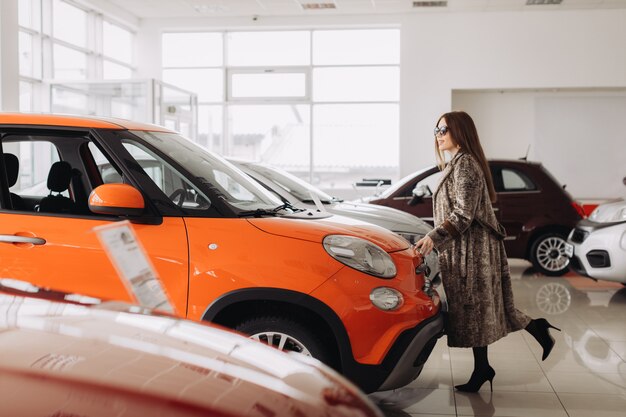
(316,230)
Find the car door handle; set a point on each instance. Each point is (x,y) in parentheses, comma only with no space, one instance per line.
(22,239)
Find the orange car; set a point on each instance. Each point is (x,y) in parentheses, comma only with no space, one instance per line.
(346,292)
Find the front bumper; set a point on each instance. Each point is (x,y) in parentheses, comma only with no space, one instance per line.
(599,250)
(405,359)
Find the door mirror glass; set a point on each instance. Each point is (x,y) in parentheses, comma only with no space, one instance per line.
(116,200)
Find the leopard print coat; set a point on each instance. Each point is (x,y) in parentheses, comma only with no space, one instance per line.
(472,259)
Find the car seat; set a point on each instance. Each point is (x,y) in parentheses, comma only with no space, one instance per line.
(12,167)
(59,179)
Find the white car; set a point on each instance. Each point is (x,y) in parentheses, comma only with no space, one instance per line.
(116,359)
(600,243)
(299,193)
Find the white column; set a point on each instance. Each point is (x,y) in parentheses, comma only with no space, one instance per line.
(9,57)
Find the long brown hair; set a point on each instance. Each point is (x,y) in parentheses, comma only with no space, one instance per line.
(464,134)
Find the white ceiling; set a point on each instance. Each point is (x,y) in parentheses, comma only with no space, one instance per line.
(144,9)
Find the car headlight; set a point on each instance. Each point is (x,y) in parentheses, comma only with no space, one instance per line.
(361,255)
(411,237)
(621,215)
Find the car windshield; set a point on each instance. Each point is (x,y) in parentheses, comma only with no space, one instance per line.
(233,186)
(300,189)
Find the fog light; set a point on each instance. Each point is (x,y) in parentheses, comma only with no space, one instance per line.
(386,298)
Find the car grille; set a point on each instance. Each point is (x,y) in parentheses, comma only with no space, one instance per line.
(599,259)
(579,235)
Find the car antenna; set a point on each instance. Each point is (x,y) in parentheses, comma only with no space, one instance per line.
(525,157)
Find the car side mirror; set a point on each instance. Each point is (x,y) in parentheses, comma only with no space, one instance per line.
(116,200)
(419,192)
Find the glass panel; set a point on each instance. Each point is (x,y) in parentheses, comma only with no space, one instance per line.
(269,48)
(26,96)
(26,54)
(210,128)
(516,181)
(276,134)
(69,64)
(69,23)
(117,42)
(36,158)
(354,141)
(122,109)
(269,85)
(233,186)
(68,101)
(192,49)
(432,182)
(207,83)
(108,173)
(113,71)
(369,46)
(29,14)
(170,181)
(356,84)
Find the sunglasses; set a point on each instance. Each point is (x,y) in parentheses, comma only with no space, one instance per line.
(441,131)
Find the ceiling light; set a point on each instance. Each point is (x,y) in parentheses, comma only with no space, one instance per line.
(542,2)
(430,4)
(318,6)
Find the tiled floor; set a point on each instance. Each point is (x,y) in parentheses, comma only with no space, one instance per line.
(584,376)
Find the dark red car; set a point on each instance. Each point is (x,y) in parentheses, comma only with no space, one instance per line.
(536,211)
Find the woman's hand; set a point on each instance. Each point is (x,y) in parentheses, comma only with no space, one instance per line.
(425,245)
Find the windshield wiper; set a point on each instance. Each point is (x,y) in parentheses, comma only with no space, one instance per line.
(287,205)
(257,213)
(272,212)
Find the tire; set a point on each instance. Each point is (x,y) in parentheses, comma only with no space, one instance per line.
(547,254)
(293,335)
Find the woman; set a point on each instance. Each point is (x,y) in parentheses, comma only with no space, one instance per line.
(472,259)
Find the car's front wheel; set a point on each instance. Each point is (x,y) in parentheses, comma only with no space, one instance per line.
(548,254)
(285,334)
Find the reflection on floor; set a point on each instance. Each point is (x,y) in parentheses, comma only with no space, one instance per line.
(585,375)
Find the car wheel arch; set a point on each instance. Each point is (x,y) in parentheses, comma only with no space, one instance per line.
(541,230)
(236,306)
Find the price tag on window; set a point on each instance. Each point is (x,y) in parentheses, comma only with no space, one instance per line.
(133,266)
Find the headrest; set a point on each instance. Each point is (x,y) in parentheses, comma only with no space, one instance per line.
(12,166)
(60,176)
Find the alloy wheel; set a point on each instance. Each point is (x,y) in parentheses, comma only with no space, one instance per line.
(281,341)
(551,255)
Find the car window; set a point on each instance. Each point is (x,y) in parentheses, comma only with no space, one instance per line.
(47,172)
(513,180)
(35,159)
(431,182)
(178,189)
(108,172)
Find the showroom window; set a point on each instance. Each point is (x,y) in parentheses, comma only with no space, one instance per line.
(313,102)
(77,44)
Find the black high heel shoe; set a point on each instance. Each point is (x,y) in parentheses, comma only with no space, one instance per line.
(477,380)
(539,329)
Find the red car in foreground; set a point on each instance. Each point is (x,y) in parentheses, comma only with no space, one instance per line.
(65,358)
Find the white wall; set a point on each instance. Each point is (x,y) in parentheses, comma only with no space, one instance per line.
(446,52)
(577,134)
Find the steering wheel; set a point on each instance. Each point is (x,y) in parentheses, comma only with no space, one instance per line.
(179,193)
